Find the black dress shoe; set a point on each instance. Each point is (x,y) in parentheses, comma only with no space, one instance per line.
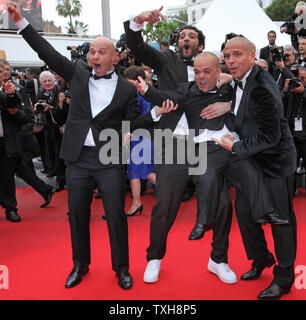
(98,195)
(47,198)
(12,216)
(273,292)
(273,218)
(75,277)
(187,195)
(257,268)
(125,280)
(198,231)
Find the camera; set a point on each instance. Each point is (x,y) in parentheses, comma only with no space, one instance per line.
(173,37)
(67,94)
(290,25)
(79,52)
(277,54)
(40,107)
(295,82)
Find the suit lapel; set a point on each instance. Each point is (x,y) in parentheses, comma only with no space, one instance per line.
(115,99)
(244,98)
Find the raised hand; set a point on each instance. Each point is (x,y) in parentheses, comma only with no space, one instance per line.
(167,107)
(140,85)
(9,87)
(13,10)
(151,17)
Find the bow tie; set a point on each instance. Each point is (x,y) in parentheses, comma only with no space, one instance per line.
(302,60)
(238,84)
(106,76)
(189,62)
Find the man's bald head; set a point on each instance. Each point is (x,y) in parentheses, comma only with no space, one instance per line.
(206,70)
(239,56)
(207,55)
(246,43)
(102,55)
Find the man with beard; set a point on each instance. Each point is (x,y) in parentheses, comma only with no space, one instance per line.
(171,70)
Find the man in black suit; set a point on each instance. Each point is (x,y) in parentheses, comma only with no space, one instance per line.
(100,99)
(172,69)
(265,136)
(265,51)
(12,118)
(191,98)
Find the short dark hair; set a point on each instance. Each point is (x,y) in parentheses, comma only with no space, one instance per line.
(201,35)
(134,72)
(271,31)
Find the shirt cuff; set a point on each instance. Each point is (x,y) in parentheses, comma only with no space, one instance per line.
(22,24)
(154,117)
(135,26)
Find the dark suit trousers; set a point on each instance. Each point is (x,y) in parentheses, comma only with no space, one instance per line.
(25,171)
(7,180)
(284,236)
(171,180)
(244,176)
(82,177)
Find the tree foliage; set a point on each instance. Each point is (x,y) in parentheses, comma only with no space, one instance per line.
(159,32)
(70,9)
(281,10)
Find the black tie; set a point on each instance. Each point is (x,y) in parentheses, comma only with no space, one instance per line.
(189,62)
(239,84)
(106,76)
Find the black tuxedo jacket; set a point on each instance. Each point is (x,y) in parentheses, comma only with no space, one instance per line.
(122,107)
(262,127)
(169,68)
(191,101)
(265,53)
(12,124)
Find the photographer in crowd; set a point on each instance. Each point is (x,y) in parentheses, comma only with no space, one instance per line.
(12,117)
(47,102)
(294,99)
(277,67)
(29,145)
(290,26)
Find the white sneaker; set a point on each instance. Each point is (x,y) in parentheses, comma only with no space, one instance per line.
(223,271)
(152,271)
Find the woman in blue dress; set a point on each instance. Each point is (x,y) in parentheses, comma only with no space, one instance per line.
(141,165)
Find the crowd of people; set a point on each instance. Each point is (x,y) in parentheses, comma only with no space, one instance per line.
(247,112)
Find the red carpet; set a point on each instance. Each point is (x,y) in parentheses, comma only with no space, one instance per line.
(37,253)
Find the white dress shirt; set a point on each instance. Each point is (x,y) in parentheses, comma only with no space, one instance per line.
(239,92)
(101,93)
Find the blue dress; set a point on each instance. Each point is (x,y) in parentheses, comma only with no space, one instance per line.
(142,152)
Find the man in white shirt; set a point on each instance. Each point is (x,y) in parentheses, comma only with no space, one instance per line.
(100,100)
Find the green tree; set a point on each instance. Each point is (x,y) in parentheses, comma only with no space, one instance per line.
(281,10)
(159,32)
(79,27)
(69,8)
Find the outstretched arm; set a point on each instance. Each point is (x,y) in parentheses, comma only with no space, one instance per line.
(57,62)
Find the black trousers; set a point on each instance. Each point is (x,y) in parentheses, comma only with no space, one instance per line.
(25,170)
(82,177)
(171,181)
(243,174)
(7,180)
(284,236)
